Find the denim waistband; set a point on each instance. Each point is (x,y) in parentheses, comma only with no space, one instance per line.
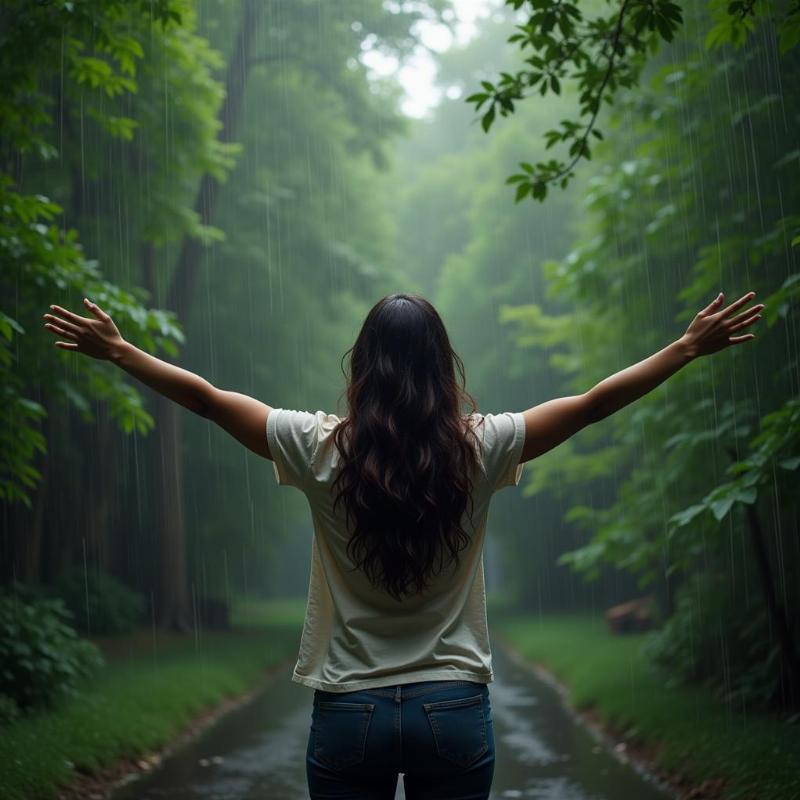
(401,690)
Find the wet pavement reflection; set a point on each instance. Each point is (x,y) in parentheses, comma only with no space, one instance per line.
(258,751)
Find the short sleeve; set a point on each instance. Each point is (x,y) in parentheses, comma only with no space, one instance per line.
(293,437)
(503,439)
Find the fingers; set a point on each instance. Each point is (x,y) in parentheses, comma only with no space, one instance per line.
(75,319)
(61,323)
(746,313)
(737,304)
(96,310)
(67,345)
(739,339)
(61,331)
(713,305)
(746,318)
(68,315)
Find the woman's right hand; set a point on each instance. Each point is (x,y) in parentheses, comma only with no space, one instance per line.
(711,328)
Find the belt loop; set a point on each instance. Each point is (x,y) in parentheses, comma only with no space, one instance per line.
(397,697)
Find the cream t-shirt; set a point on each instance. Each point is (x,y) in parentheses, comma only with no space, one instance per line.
(356,636)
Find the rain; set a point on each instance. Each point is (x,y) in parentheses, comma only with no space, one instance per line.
(221,190)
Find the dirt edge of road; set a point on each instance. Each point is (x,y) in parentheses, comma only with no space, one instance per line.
(100,784)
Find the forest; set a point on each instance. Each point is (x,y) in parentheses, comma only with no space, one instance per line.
(237,182)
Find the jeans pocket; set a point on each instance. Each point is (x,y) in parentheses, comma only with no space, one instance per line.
(340,732)
(459,728)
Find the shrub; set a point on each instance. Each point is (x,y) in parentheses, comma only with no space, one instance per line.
(99,603)
(715,639)
(9,710)
(29,592)
(40,652)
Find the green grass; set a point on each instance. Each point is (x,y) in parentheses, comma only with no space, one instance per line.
(252,613)
(692,733)
(147,692)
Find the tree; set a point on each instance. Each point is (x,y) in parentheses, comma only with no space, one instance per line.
(601,55)
(670,216)
(246,56)
(42,262)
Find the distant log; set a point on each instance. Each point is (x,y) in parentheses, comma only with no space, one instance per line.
(634,616)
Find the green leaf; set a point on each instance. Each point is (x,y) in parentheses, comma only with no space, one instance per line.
(719,508)
(748,496)
(687,515)
(522,191)
(788,34)
(488,118)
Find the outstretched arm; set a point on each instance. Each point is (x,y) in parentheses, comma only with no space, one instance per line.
(243,417)
(550,423)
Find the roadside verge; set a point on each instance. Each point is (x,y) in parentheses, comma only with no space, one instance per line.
(683,736)
(155,691)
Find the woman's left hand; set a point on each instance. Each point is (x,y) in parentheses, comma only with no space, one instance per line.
(98,338)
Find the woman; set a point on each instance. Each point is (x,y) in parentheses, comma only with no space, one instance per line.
(395,641)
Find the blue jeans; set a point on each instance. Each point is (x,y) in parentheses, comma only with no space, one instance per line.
(437,733)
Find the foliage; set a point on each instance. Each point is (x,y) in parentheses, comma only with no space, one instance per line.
(41,259)
(681,426)
(99,603)
(93,43)
(9,710)
(776,448)
(158,170)
(689,731)
(735,20)
(601,55)
(306,252)
(139,702)
(42,657)
(718,639)
(667,225)
(472,255)
(115,140)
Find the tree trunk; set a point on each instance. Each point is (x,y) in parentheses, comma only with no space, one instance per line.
(175,605)
(102,495)
(175,611)
(30,523)
(183,280)
(35,536)
(790,663)
(665,592)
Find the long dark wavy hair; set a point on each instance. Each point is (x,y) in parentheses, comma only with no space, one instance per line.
(407,454)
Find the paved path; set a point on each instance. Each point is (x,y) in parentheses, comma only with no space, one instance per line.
(257,752)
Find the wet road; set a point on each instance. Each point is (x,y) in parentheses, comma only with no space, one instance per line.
(258,751)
